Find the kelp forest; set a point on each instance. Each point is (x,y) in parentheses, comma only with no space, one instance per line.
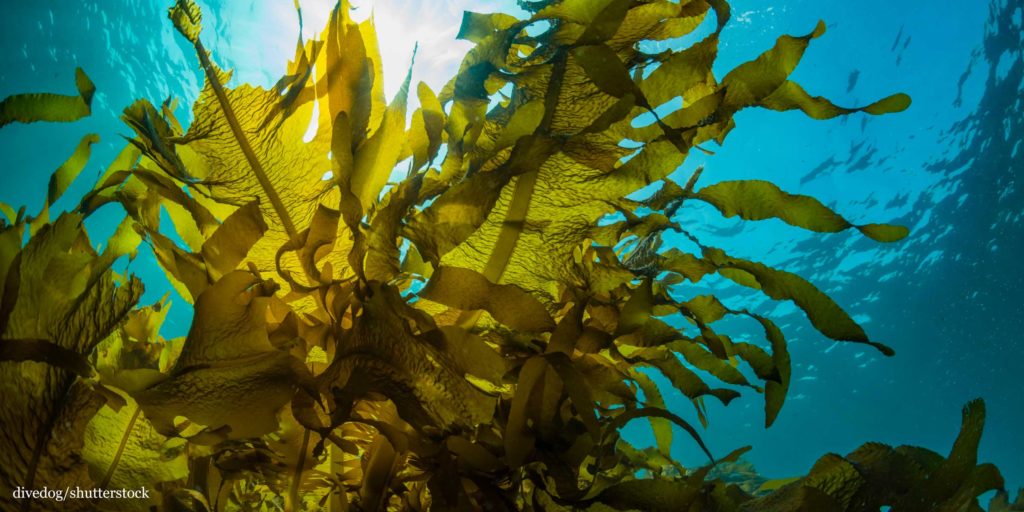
(457,308)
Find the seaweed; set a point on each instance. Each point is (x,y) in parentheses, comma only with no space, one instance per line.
(35,107)
(472,336)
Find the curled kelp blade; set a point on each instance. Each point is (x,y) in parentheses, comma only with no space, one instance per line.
(35,107)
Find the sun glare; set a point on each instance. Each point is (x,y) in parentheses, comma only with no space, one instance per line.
(269,30)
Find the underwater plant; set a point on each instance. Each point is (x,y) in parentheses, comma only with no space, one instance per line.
(469,335)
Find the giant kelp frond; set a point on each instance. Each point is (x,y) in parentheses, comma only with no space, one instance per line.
(476,334)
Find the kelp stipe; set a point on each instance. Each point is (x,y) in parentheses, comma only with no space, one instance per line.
(472,337)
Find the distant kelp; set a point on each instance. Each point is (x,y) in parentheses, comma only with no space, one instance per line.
(870,477)
(471,337)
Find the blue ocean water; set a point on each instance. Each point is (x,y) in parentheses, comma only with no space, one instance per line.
(948,298)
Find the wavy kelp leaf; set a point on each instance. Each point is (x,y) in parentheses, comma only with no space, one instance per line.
(637,310)
(67,296)
(688,382)
(155,135)
(753,81)
(230,243)
(229,377)
(652,398)
(790,96)
(777,383)
(185,271)
(706,309)
(686,265)
(505,230)
(426,128)
(519,439)
(61,179)
(606,71)
(681,71)
(606,22)
(375,159)
(70,169)
(311,245)
(476,26)
(468,290)
(826,316)
(124,242)
(30,108)
(758,200)
(614,83)
(10,280)
(522,122)
(705,360)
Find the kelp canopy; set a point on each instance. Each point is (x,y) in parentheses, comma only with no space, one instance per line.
(455,313)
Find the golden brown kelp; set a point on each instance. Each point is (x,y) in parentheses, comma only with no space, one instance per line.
(472,337)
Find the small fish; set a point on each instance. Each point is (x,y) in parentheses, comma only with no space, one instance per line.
(852,80)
